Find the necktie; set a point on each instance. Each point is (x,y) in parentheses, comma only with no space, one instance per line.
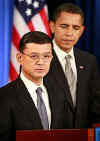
(70,78)
(42,109)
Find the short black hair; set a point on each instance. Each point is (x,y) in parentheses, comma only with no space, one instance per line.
(34,37)
(70,8)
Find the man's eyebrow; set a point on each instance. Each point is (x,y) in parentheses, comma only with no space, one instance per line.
(42,53)
(77,25)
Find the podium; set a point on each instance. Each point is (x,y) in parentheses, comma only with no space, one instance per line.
(56,135)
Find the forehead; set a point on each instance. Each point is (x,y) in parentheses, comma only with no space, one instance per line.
(38,48)
(69,18)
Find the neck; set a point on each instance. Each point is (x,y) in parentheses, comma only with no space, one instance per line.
(38,83)
(35,80)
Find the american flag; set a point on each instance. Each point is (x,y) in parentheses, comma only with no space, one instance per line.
(29,15)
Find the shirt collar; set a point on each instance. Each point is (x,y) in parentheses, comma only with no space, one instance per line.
(29,84)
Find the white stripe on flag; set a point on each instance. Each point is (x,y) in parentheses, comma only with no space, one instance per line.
(19,23)
(38,23)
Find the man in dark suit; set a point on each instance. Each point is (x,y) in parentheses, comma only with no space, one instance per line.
(20,100)
(83,93)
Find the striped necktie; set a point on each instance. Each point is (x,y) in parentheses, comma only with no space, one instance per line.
(42,109)
(70,78)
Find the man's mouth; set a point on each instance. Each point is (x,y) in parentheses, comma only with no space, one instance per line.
(67,40)
(39,69)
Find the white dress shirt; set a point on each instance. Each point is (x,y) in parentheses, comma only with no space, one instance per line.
(31,87)
(61,56)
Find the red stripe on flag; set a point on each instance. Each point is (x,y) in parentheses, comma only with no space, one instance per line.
(13,73)
(15,37)
(31,27)
(45,20)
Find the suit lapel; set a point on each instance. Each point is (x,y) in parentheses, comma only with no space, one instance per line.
(27,104)
(51,99)
(80,69)
(52,94)
(62,81)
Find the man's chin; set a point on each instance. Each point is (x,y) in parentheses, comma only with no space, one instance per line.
(40,75)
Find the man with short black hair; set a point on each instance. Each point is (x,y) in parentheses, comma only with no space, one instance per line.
(73,71)
(29,103)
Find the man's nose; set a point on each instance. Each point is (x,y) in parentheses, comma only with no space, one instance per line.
(40,60)
(69,31)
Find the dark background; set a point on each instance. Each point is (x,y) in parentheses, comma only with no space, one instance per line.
(52,4)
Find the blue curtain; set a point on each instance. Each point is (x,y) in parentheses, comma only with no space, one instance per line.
(89,41)
(97,134)
(91,37)
(6,14)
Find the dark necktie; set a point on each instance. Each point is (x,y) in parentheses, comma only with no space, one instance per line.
(71,78)
(42,109)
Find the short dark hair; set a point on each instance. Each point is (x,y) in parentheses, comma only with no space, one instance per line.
(34,37)
(70,8)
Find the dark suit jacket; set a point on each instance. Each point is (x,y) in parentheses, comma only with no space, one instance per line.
(87,110)
(18,112)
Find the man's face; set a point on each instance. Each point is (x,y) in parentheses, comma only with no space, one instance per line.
(67,30)
(35,60)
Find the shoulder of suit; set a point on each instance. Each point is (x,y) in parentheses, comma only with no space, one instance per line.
(10,88)
(84,53)
(11,84)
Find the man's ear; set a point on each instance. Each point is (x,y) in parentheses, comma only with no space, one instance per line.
(19,58)
(82,29)
(52,26)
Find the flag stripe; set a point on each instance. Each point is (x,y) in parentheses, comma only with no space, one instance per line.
(20,24)
(31,27)
(13,74)
(38,23)
(45,20)
(15,37)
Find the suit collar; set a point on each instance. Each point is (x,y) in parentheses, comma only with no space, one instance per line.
(62,82)
(77,59)
(80,65)
(27,104)
(79,62)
